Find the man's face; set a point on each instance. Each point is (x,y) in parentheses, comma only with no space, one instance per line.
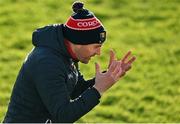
(85,52)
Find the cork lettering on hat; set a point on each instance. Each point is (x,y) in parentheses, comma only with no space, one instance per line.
(83,24)
(88,24)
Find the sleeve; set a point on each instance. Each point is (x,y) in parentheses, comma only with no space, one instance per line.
(51,86)
(81,85)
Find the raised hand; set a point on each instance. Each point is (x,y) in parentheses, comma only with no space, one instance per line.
(116,69)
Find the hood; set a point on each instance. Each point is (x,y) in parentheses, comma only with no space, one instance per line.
(50,36)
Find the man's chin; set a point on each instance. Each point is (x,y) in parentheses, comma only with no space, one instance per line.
(85,61)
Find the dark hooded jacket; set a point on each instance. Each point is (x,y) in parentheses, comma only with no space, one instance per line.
(49,84)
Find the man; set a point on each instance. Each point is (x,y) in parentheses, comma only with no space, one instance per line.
(49,85)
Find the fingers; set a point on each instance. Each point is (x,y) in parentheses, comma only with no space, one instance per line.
(131,60)
(112,57)
(124,59)
(120,71)
(97,67)
(116,70)
(113,66)
(126,56)
(128,68)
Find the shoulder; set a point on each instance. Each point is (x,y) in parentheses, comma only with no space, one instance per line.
(42,57)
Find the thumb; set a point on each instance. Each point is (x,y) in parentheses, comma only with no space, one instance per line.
(97,67)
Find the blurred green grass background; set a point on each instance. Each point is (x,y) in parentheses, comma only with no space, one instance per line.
(150,92)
